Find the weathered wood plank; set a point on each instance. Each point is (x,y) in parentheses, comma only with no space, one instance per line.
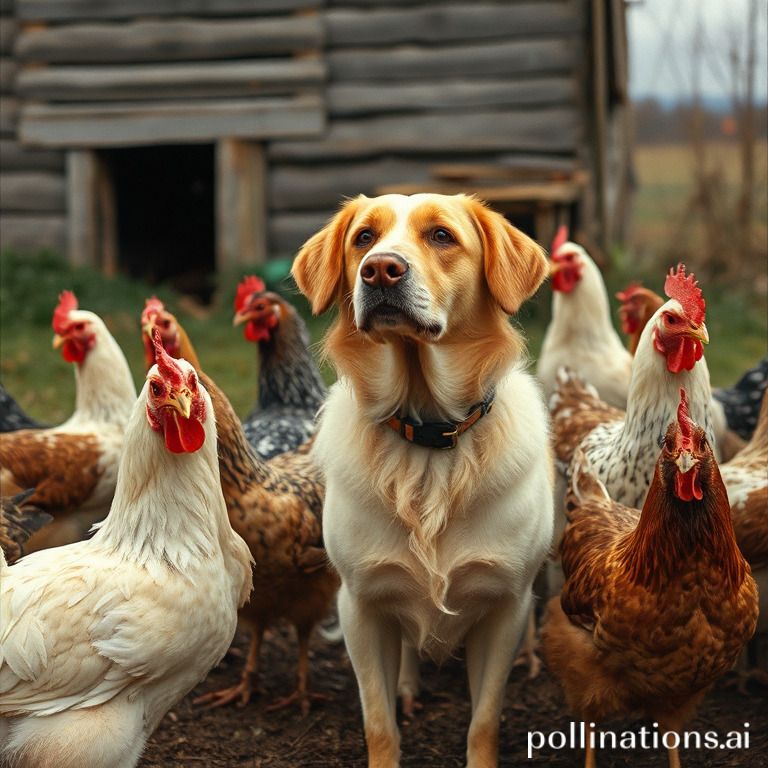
(450,23)
(9,113)
(81,10)
(241,207)
(214,79)
(289,231)
(309,187)
(169,40)
(554,130)
(33,191)
(117,125)
(31,234)
(349,99)
(16,157)
(7,74)
(83,216)
(8,29)
(549,192)
(515,58)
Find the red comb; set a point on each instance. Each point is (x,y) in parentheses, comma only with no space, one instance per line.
(683,419)
(686,291)
(152,306)
(167,366)
(629,292)
(248,285)
(560,239)
(67,304)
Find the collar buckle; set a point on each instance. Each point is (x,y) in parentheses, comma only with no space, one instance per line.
(453,435)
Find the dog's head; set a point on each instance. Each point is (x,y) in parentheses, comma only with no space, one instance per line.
(418,266)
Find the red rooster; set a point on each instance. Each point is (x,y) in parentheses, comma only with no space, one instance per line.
(657,604)
(73,467)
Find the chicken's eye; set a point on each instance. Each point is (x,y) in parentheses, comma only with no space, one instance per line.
(670,319)
(192,382)
(79,327)
(364,238)
(157,388)
(442,236)
(166,324)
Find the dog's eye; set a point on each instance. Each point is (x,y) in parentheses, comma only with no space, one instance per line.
(442,236)
(364,237)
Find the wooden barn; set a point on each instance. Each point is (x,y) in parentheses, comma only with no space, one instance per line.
(180,137)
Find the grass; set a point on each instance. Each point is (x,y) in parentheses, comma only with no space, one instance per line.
(44,384)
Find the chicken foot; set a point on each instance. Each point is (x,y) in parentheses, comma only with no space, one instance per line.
(301,694)
(244,689)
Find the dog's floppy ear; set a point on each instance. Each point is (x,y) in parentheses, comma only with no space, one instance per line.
(515,266)
(317,269)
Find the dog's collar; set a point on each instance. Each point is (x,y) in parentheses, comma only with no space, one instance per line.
(443,435)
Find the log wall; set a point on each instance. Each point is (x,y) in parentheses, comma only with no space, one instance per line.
(33,199)
(413,83)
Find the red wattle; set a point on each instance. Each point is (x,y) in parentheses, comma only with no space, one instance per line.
(565,280)
(683,353)
(687,485)
(182,435)
(73,352)
(256,332)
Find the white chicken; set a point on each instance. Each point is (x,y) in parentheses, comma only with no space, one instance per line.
(623,448)
(101,637)
(581,334)
(73,467)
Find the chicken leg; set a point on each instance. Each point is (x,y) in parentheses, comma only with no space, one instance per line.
(244,689)
(301,694)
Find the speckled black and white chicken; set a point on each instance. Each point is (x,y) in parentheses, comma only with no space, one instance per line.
(741,402)
(291,388)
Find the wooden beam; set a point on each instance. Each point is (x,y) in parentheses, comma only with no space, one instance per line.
(553,130)
(135,124)
(30,233)
(561,192)
(174,82)
(515,58)
(8,29)
(85,10)
(7,75)
(450,23)
(600,106)
(241,215)
(168,40)
(32,191)
(82,218)
(9,113)
(15,157)
(348,99)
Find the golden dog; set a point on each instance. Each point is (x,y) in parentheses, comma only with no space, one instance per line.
(438,510)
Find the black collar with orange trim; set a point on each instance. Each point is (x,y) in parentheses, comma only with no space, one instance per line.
(442,435)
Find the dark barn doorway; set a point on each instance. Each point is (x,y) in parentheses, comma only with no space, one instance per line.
(165,211)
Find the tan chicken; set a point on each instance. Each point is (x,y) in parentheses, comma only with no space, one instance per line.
(73,467)
(276,506)
(101,637)
(657,604)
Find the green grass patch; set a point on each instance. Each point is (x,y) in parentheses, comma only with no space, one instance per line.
(44,384)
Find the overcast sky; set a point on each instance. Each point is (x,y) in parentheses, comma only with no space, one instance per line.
(661,39)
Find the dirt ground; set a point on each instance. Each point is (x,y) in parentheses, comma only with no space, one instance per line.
(331,735)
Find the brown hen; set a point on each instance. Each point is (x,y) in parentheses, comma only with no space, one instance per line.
(18,521)
(276,506)
(657,604)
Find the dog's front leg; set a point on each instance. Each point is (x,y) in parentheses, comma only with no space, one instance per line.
(373,643)
(490,649)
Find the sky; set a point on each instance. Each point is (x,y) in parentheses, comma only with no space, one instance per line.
(661,45)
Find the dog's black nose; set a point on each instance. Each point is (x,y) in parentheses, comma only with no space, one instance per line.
(383,270)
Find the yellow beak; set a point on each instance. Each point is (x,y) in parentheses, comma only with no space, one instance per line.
(147,328)
(700,333)
(554,268)
(182,402)
(686,462)
(58,341)
(239,319)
